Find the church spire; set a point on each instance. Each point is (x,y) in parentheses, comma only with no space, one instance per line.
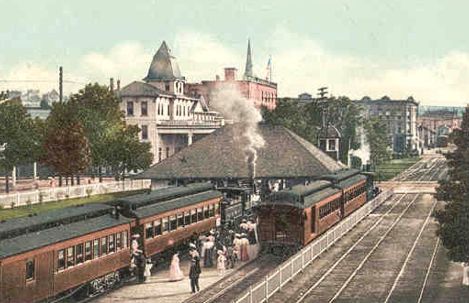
(248,69)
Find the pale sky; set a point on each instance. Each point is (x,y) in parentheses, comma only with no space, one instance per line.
(357,47)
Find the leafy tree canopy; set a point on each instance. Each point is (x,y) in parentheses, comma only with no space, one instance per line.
(454,218)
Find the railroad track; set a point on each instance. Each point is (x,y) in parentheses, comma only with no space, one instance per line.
(228,288)
(345,277)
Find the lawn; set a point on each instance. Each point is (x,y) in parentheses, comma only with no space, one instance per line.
(37,208)
(390,169)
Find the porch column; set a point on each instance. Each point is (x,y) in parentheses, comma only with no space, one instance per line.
(189,138)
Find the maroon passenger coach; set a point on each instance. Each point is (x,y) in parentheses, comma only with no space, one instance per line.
(45,255)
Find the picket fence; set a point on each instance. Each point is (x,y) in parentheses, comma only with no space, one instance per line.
(66,192)
(277,278)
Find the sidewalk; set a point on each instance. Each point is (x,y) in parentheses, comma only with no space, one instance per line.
(157,288)
(29,184)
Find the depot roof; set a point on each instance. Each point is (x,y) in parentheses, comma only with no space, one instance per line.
(222,155)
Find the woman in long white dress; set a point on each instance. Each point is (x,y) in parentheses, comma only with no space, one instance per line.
(221,263)
(175,273)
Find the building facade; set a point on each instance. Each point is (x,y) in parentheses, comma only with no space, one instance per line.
(168,118)
(400,117)
(263,92)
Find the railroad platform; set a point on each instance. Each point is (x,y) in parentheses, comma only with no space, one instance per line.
(158,288)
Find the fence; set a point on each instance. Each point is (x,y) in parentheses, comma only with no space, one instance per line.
(67,192)
(276,279)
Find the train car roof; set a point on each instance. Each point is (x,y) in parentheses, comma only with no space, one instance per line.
(30,241)
(46,219)
(164,194)
(351,181)
(341,174)
(164,206)
(289,197)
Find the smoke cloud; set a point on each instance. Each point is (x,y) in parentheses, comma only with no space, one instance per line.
(364,151)
(233,106)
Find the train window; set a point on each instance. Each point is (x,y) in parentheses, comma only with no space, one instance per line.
(124,239)
(200,214)
(187,218)
(118,241)
(181,220)
(88,252)
(211,210)
(157,225)
(206,212)
(112,247)
(149,231)
(96,248)
(217,208)
(79,253)
(103,246)
(61,259)
(70,256)
(173,224)
(165,225)
(30,270)
(193,215)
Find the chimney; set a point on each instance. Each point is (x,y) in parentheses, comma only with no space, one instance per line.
(217,78)
(118,84)
(230,73)
(111,84)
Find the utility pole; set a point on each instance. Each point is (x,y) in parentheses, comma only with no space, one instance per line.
(322,92)
(61,80)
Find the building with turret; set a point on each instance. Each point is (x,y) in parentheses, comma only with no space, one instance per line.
(262,91)
(168,118)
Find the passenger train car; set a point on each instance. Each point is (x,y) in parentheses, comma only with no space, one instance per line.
(295,216)
(86,249)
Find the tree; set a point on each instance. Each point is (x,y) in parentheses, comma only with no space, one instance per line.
(376,134)
(66,148)
(44,104)
(99,114)
(19,138)
(454,218)
(307,119)
(127,153)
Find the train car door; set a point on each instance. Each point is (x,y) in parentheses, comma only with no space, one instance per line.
(313,219)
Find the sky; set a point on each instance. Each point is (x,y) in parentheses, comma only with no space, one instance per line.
(356,48)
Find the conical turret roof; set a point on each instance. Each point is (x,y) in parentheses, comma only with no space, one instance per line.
(163,66)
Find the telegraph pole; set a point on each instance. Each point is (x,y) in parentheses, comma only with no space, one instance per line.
(61,80)
(322,92)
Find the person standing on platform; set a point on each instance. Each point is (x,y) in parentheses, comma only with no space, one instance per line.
(208,253)
(221,263)
(194,273)
(237,246)
(175,273)
(148,267)
(140,263)
(244,248)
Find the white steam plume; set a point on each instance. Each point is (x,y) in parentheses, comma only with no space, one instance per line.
(233,106)
(364,151)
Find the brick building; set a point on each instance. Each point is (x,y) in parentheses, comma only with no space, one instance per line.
(263,92)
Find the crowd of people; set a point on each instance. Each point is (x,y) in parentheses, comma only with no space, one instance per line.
(221,249)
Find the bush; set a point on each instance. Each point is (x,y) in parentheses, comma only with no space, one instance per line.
(12,204)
